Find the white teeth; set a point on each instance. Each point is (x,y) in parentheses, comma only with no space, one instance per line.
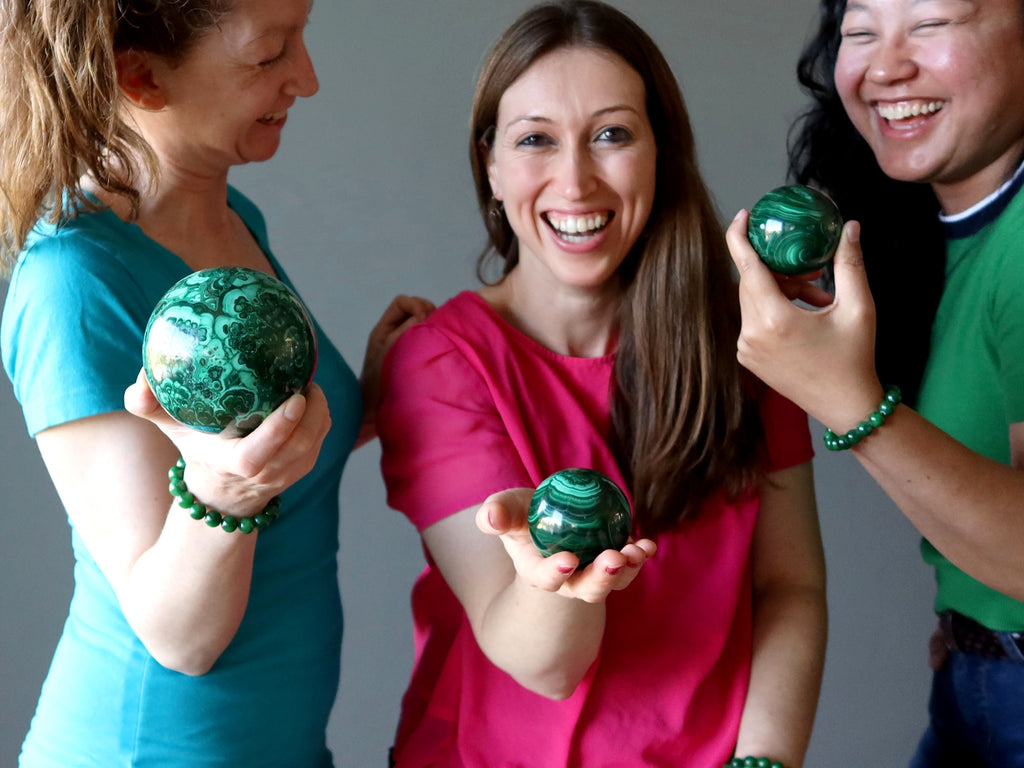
(904,109)
(272,117)
(573,225)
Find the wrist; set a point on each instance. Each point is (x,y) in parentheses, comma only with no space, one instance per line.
(229,523)
(873,420)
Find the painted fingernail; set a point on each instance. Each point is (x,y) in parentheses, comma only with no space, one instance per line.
(613,571)
(566,569)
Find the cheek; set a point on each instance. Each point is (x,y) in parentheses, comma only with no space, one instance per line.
(847,75)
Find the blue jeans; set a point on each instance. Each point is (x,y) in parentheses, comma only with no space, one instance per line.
(977,714)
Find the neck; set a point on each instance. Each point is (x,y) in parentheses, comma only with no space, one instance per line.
(576,323)
(957,197)
(189,216)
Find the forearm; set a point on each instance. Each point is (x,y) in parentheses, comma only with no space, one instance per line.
(789,637)
(186,595)
(969,507)
(545,641)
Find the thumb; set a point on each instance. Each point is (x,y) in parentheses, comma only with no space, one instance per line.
(139,399)
(850,276)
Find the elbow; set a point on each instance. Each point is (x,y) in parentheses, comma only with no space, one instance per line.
(192,666)
(557,687)
(191,661)
(557,681)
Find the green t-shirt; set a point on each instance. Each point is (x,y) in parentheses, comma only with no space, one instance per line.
(973,386)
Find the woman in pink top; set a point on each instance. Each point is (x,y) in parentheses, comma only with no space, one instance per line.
(608,341)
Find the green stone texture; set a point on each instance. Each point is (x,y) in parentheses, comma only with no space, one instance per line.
(581,511)
(795,229)
(226,346)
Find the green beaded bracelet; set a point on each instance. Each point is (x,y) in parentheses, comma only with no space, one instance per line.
(199,511)
(836,442)
(753,762)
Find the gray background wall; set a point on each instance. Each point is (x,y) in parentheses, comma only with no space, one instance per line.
(370,196)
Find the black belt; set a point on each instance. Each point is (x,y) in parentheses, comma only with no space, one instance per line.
(968,636)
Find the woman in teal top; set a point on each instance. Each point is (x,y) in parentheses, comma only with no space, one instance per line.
(917,131)
(184,645)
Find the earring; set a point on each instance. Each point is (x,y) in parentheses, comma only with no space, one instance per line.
(495,208)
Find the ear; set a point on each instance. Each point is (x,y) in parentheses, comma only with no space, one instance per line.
(493,178)
(135,78)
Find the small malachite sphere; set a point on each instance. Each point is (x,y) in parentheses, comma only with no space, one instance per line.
(226,346)
(795,229)
(581,511)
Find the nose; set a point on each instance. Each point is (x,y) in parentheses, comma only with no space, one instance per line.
(575,177)
(891,61)
(304,81)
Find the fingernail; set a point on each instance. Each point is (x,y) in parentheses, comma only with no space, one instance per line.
(852,232)
(613,571)
(566,569)
(295,407)
(738,214)
(490,520)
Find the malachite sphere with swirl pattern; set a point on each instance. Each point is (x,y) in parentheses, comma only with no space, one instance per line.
(226,346)
(581,511)
(795,229)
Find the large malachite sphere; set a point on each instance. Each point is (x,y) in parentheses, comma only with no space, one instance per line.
(795,229)
(579,510)
(226,346)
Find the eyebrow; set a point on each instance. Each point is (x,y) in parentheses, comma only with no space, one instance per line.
(859,6)
(529,118)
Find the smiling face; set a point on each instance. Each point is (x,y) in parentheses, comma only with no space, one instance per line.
(226,102)
(573,160)
(935,87)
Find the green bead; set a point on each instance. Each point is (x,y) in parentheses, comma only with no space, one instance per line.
(763,762)
(876,419)
(852,437)
(225,346)
(260,521)
(886,408)
(245,525)
(864,429)
(794,229)
(186,499)
(198,511)
(228,524)
(213,518)
(177,487)
(580,511)
(749,762)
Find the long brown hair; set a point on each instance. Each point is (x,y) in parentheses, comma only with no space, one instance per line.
(60,105)
(683,423)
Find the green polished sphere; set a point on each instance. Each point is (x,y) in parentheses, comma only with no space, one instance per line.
(581,511)
(226,346)
(795,229)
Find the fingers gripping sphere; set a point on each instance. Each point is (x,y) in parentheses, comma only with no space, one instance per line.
(224,347)
(795,229)
(580,511)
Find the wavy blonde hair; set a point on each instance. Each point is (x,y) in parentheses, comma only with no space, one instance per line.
(60,104)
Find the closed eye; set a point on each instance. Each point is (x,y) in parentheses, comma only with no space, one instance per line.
(275,59)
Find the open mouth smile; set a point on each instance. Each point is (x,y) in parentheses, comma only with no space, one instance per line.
(905,110)
(578,228)
(272,117)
